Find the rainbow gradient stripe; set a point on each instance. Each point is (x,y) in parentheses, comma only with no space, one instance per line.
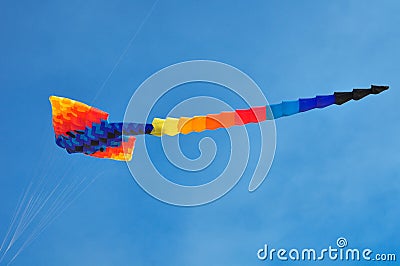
(80,128)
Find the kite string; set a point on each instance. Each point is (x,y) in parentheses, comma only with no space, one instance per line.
(125,50)
(24,195)
(58,203)
(38,189)
(37,195)
(41,197)
(19,231)
(60,200)
(71,189)
(60,208)
(55,209)
(45,199)
(25,220)
(50,219)
(13,219)
(18,220)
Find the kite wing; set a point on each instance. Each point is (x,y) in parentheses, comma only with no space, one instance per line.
(80,128)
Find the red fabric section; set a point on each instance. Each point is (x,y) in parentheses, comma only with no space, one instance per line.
(246,116)
(252,115)
(260,112)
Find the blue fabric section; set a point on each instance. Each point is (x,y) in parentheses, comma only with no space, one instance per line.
(307,104)
(316,102)
(148,128)
(325,100)
(60,142)
(290,108)
(283,109)
(276,110)
(93,139)
(131,129)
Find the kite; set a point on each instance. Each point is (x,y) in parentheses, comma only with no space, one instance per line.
(80,128)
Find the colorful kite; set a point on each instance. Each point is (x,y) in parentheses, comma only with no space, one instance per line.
(80,128)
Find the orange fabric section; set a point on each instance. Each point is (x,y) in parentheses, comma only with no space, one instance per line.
(199,123)
(212,122)
(69,115)
(227,119)
(185,125)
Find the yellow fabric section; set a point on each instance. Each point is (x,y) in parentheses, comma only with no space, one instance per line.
(170,126)
(158,125)
(167,126)
(186,125)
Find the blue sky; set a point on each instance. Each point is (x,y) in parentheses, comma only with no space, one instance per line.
(335,171)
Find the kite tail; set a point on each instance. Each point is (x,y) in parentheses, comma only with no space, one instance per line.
(185,125)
